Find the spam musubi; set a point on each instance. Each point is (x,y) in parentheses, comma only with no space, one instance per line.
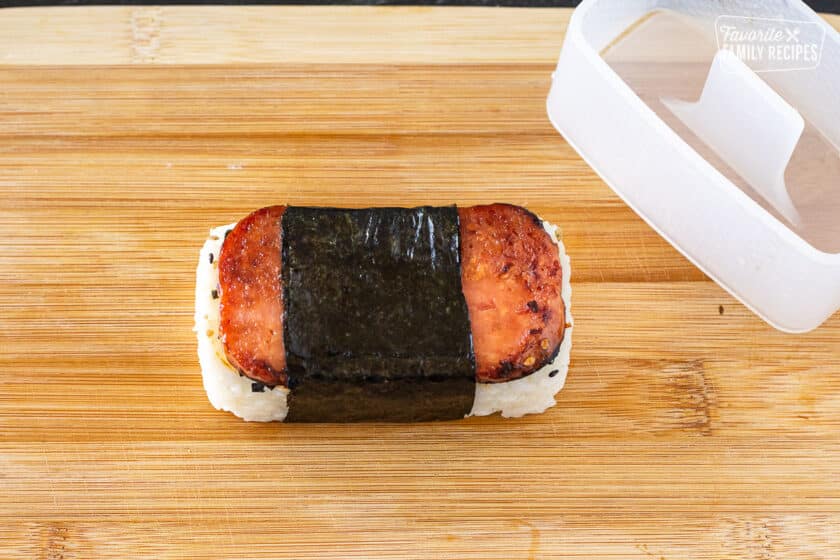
(383,314)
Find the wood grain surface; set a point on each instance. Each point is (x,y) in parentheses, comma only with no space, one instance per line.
(687,428)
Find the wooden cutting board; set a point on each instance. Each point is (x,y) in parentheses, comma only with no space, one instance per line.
(687,428)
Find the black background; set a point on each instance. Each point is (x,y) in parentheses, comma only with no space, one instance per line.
(818,5)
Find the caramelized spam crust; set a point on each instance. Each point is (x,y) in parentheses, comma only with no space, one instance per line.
(251,298)
(511,278)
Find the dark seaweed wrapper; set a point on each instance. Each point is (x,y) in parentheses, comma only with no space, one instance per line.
(376,327)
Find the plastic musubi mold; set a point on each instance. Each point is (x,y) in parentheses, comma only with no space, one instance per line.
(719,124)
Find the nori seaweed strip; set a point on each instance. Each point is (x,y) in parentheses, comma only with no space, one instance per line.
(376,326)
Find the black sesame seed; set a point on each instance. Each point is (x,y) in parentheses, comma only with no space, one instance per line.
(257,387)
(552,373)
(532,305)
(211,258)
(215,294)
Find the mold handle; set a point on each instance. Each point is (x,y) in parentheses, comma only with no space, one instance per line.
(748,125)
